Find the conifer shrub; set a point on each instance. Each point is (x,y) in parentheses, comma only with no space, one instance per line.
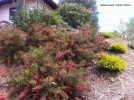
(118,47)
(111,62)
(107,34)
(56,63)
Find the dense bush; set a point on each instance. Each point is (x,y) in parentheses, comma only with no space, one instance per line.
(11,41)
(75,14)
(25,17)
(118,47)
(111,62)
(42,77)
(107,34)
(56,66)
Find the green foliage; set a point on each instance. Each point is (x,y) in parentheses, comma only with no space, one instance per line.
(107,34)
(11,42)
(25,17)
(75,14)
(54,18)
(118,47)
(90,4)
(111,62)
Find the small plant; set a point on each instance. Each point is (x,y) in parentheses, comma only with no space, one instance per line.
(107,34)
(111,62)
(131,45)
(118,47)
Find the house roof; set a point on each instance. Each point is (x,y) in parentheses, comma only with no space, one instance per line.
(51,3)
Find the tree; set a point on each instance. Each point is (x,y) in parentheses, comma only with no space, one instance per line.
(122,28)
(75,14)
(127,28)
(90,4)
(130,28)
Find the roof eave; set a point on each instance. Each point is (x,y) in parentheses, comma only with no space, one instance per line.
(51,3)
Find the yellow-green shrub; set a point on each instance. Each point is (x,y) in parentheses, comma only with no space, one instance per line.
(107,34)
(118,47)
(111,62)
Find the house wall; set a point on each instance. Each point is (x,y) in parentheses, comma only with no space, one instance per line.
(4,10)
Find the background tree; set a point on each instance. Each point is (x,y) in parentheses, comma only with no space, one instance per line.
(90,4)
(127,28)
(75,14)
(130,28)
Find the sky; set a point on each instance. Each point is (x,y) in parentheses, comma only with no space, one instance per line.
(110,16)
(56,1)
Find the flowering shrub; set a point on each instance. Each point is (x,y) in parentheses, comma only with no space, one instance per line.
(111,62)
(46,78)
(107,35)
(118,47)
(56,63)
(11,41)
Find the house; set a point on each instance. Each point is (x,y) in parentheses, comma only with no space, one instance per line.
(8,7)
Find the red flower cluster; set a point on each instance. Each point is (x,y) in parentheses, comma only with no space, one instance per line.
(2,97)
(55,68)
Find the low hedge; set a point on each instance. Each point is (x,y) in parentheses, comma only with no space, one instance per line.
(118,47)
(107,34)
(111,62)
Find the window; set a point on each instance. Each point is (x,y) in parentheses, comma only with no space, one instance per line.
(12,11)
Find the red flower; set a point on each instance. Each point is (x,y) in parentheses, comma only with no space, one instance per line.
(60,55)
(23,56)
(43,70)
(2,97)
(36,88)
(65,45)
(67,87)
(36,76)
(46,50)
(43,98)
(42,29)
(58,41)
(64,73)
(80,87)
(22,94)
(60,67)
(55,76)
(44,38)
